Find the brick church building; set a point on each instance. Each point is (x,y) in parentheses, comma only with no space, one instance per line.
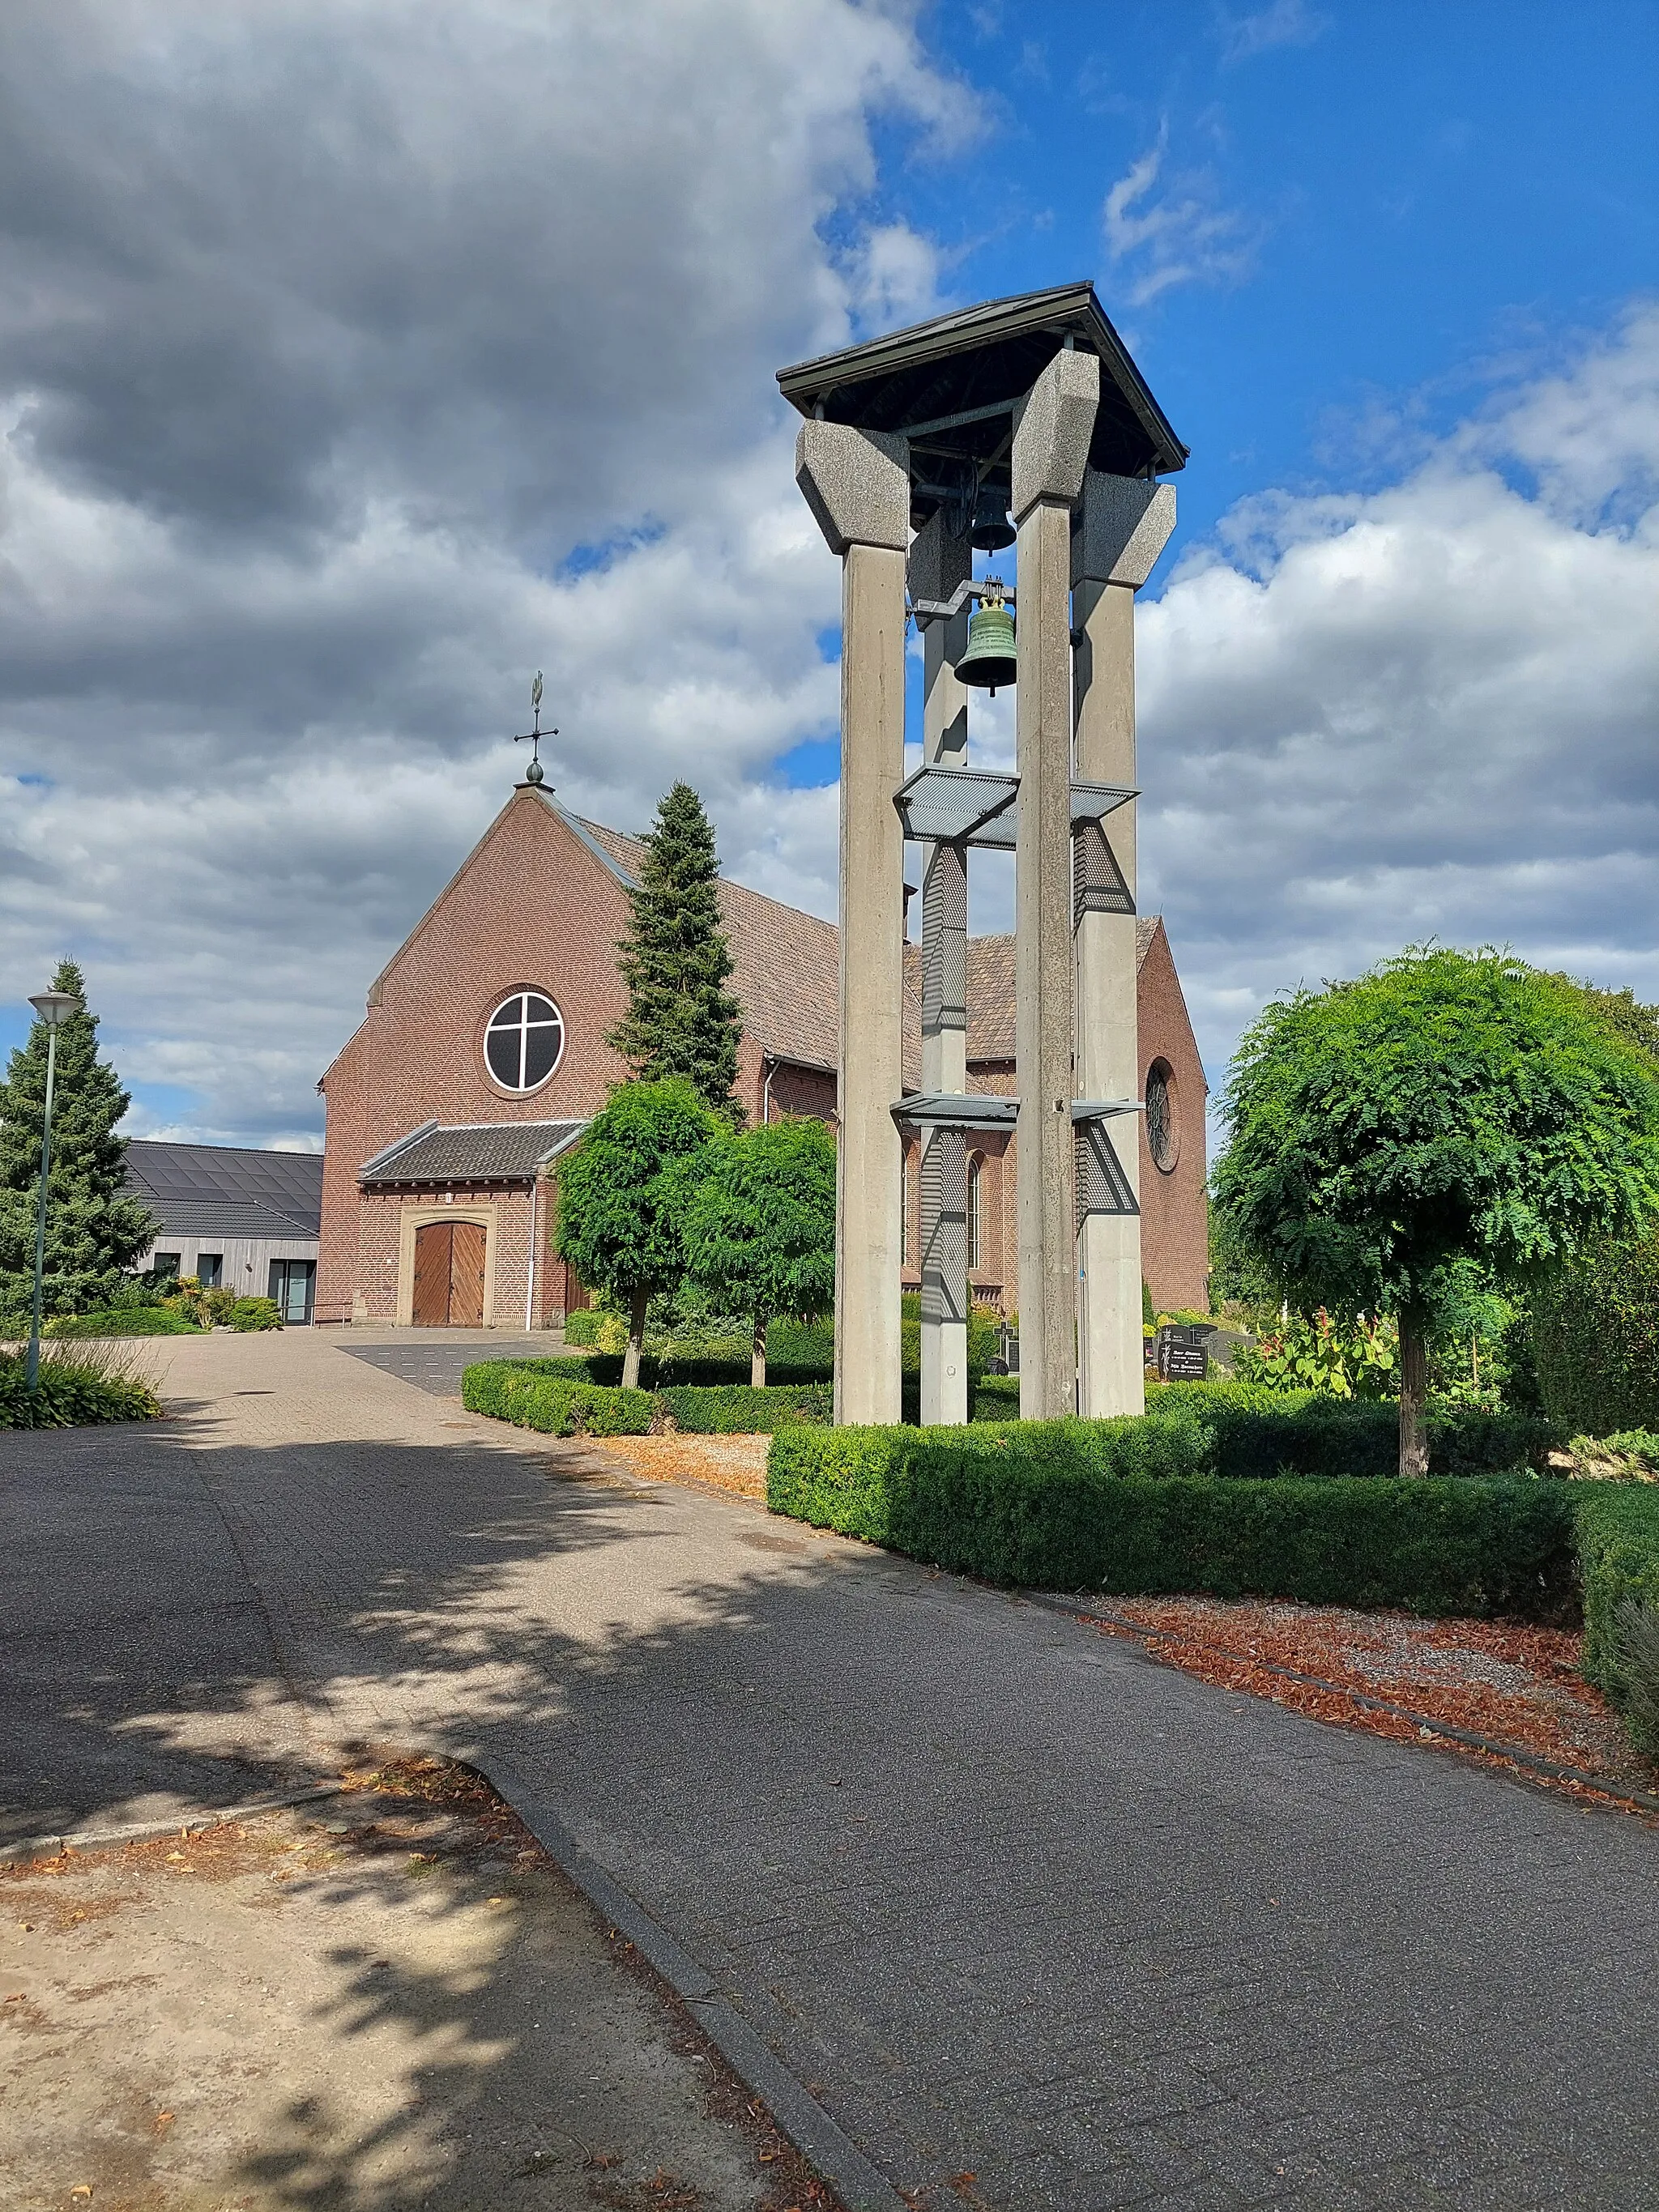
(482,1054)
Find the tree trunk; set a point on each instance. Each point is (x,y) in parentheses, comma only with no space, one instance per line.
(635,1341)
(1414,1394)
(757,1357)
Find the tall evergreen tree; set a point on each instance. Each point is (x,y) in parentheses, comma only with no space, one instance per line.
(675,961)
(94,1229)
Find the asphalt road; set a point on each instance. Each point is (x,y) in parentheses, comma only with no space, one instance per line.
(1015,1903)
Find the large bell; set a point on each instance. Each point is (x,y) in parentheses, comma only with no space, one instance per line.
(989,659)
(992,529)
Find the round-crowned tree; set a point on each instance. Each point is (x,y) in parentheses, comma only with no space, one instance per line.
(1448,1107)
(760,1225)
(623,1196)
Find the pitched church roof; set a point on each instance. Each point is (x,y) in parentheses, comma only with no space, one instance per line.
(785,969)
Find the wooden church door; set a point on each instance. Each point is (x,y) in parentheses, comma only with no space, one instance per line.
(449,1275)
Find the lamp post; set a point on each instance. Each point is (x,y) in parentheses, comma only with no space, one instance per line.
(54,1008)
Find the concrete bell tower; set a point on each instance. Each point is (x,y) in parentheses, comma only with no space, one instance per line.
(914,446)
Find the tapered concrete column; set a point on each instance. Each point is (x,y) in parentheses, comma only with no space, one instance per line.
(857,487)
(1053,427)
(939,562)
(1121,527)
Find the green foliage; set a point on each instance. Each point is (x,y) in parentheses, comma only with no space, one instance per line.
(734,1409)
(1251,1433)
(512,1390)
(122,1321)
(1148,1312)
(760,1222)
(208,1306)
(1595,1331)
(675,961)
(1447,1106)
(623,1191)
(94,1230)
(984,1335)
(250,1314)
(1618,1538)
(582,1327)
(1119,1505)
(1359,1361)
(73,1392)
(1621,1013)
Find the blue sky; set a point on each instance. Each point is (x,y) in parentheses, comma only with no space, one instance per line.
(345,381)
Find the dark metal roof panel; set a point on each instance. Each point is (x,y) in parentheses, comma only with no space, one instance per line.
(240,1219)
(981,357)
(290,1183)
(488,1152)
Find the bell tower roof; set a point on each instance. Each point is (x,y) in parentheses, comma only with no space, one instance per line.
(951,386)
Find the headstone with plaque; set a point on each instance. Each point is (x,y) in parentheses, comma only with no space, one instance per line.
(1182,1355)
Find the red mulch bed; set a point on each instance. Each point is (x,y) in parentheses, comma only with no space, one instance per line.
(1519,1686)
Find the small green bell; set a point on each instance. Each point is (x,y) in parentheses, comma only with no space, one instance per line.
(989,659)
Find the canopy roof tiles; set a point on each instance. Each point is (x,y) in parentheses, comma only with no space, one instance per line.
(950,387)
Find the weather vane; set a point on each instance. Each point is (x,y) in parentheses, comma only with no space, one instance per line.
(532,737)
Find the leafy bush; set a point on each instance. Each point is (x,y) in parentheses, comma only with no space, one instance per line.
(1257,1432)
(734,1409)
(1122,1505)
(582,1327)
(524,1392)
(1617,1528)
(1596,1335)
(123,1321)
(1359,1361)
(74,1391)
(245,1314)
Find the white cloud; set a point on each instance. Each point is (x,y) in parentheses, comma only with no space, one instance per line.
(1177,235)
(1425,711)
(354,362)
(1283,23)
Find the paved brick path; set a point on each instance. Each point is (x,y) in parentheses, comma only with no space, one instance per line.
(1012,1899)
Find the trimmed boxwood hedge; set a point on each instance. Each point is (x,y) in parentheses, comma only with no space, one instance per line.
(1617,1536)
(735,1409)
(524,1392)
(1256,1433)
(1125,1506)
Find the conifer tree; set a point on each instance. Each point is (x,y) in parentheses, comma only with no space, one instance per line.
(675,961)
(94,1229)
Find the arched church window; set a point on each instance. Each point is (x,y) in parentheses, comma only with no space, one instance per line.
(524,1041)
(1163,1139)
(974,1166)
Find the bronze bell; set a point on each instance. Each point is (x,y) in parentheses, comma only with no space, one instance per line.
(990,658)
(992,529)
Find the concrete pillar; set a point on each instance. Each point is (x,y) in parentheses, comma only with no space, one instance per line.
(1052,430)
(1121,527)
(939,562)
(857,487)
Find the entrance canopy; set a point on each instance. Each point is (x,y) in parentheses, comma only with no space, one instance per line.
(950,386)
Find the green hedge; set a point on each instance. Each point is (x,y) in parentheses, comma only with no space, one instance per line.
(1595,1333)
(1122,1506)
(582,1327)
(123,1321)
(70,1395)
(513,1390)
(736,1409)
(251,1314)
(1256,1433)
(1618,1536)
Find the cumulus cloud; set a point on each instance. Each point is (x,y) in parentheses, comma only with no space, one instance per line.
(1424,711)
(1170,230)
(354,362)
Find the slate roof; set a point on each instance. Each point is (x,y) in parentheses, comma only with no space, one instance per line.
(785,971)
(169,1177)
(478,1152)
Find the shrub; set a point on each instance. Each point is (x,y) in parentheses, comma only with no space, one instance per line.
(1257,1433)
(1617,1528)
(1596,1335)
(245,1314)
(123,1321)
(74,1391)
(582,1327)
(522,1391)
(1121,1505)
(735,1409)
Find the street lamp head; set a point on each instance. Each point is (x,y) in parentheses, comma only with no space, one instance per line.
(55,1008)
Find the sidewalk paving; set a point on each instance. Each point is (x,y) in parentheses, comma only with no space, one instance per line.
(1013,1902)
